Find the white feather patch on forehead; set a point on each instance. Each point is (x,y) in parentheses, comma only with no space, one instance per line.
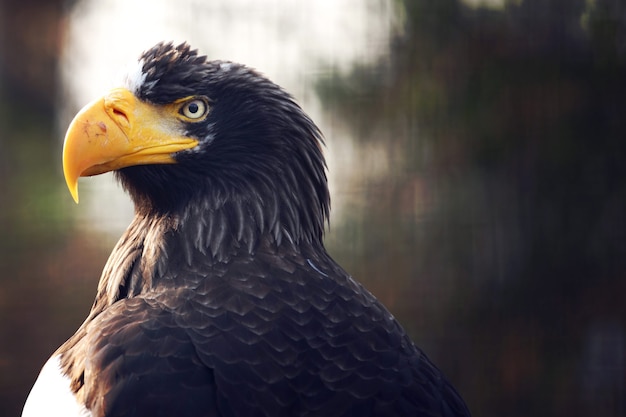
(135,78)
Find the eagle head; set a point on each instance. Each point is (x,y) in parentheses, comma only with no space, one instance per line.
(185,132)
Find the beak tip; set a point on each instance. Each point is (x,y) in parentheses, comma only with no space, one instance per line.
(73,187)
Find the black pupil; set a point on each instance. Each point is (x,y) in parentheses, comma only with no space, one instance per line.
(193,108)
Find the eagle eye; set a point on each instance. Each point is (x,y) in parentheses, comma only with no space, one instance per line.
(194,109)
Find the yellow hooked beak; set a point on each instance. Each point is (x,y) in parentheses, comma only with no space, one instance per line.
(117,131)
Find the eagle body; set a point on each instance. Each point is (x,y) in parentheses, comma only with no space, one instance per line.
(220,299)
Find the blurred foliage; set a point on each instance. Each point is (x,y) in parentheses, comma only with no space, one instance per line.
(43,291)
(511,189)
(40,295)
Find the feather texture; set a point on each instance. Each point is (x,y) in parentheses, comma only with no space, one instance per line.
(220,299)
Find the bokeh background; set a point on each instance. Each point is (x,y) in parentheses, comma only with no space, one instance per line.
(477,156)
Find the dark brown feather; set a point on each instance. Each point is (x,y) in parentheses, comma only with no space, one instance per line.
(220,299)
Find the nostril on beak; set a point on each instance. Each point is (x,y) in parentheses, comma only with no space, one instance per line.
(121,116)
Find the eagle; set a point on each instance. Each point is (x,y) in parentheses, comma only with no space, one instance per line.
(220,298)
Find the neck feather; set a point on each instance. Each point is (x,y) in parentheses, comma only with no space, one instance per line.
(157,247)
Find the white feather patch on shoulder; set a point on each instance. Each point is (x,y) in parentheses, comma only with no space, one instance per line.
(51,395)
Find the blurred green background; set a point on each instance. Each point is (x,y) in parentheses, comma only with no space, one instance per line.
(478,173)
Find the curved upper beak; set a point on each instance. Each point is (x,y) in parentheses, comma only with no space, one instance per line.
(118,131)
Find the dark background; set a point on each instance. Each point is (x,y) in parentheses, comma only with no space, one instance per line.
(497,237)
